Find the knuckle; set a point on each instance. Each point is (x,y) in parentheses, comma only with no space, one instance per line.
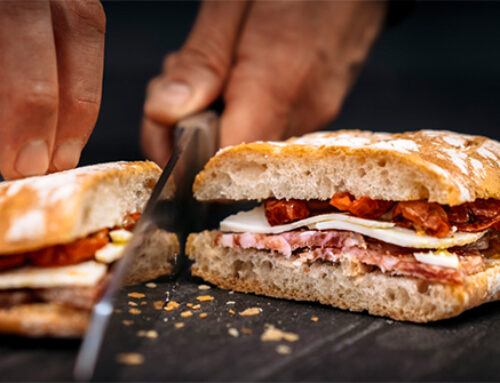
(85,106)
(40,96)
(209,57)
(89,14)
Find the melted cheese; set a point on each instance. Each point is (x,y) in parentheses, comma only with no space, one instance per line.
(255,221)
(120,235)
(82,274)
(110,253)
(438,258)
(114,251)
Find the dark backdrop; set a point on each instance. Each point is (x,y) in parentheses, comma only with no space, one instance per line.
(438,69)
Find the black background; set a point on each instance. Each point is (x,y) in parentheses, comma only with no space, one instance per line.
(439,69)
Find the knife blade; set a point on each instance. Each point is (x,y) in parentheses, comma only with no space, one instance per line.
(195,141)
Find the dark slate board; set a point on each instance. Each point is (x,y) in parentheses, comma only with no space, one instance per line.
(339,346)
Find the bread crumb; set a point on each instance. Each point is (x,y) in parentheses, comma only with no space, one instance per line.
(315,319)
(233,332)
(127,322)
(290,337)
(133,304)
(158,305)
(134,311)
(203,315)
(283,349)
(152,334)
(179,325)
(246,331)
(130,358)
(144,303)
(205,298)
(151,285)
(118,311)
(136,295)
(230,302)
(196,307)
(231,312)
(231,292)
(273,334)
(204,287)
(172,305)
(186,314)
(251,311)
(189,305)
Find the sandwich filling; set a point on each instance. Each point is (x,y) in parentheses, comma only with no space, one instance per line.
(411,238)
(71,274)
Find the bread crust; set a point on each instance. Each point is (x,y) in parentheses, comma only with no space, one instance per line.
(58,208)
(439,166)
(44,320)
(400,298)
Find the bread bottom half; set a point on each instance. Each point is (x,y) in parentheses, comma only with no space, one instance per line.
(400,298)
(154,258)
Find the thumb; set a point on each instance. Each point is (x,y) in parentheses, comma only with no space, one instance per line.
(195,76)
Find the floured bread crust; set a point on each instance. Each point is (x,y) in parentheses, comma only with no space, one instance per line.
(439,166)
(400,298)
(58,208)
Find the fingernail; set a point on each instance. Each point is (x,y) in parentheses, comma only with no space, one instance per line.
(174,94)
(67,155)
(33,159)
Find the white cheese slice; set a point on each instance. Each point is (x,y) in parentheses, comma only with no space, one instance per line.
(439,258)
(120,235)
(255,221)
(110,253)
(82,274)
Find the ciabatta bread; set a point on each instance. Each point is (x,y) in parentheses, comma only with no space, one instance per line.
(438,166)
(402,282)
(401,298)
(42,211)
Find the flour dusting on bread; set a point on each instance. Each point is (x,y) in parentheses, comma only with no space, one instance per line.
(438,166)
(28,226)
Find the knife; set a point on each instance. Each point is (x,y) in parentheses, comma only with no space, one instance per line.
(195,141)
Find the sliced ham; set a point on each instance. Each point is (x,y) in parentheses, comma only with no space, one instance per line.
(286,243)
(332,245)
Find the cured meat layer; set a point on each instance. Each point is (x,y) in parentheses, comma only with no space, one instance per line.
(333,245)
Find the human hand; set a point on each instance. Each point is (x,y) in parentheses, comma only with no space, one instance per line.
(283,69)
(51,60)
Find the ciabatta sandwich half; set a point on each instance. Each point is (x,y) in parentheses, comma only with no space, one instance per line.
(59,236)
(400,225)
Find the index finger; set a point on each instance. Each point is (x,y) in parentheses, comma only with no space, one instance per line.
(29,88)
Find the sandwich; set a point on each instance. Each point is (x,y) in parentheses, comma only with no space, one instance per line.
(404,226)
(60,236)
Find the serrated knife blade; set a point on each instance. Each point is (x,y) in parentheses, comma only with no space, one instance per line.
(195,141)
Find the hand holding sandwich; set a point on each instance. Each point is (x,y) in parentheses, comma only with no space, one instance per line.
(51,63)
(282,68)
